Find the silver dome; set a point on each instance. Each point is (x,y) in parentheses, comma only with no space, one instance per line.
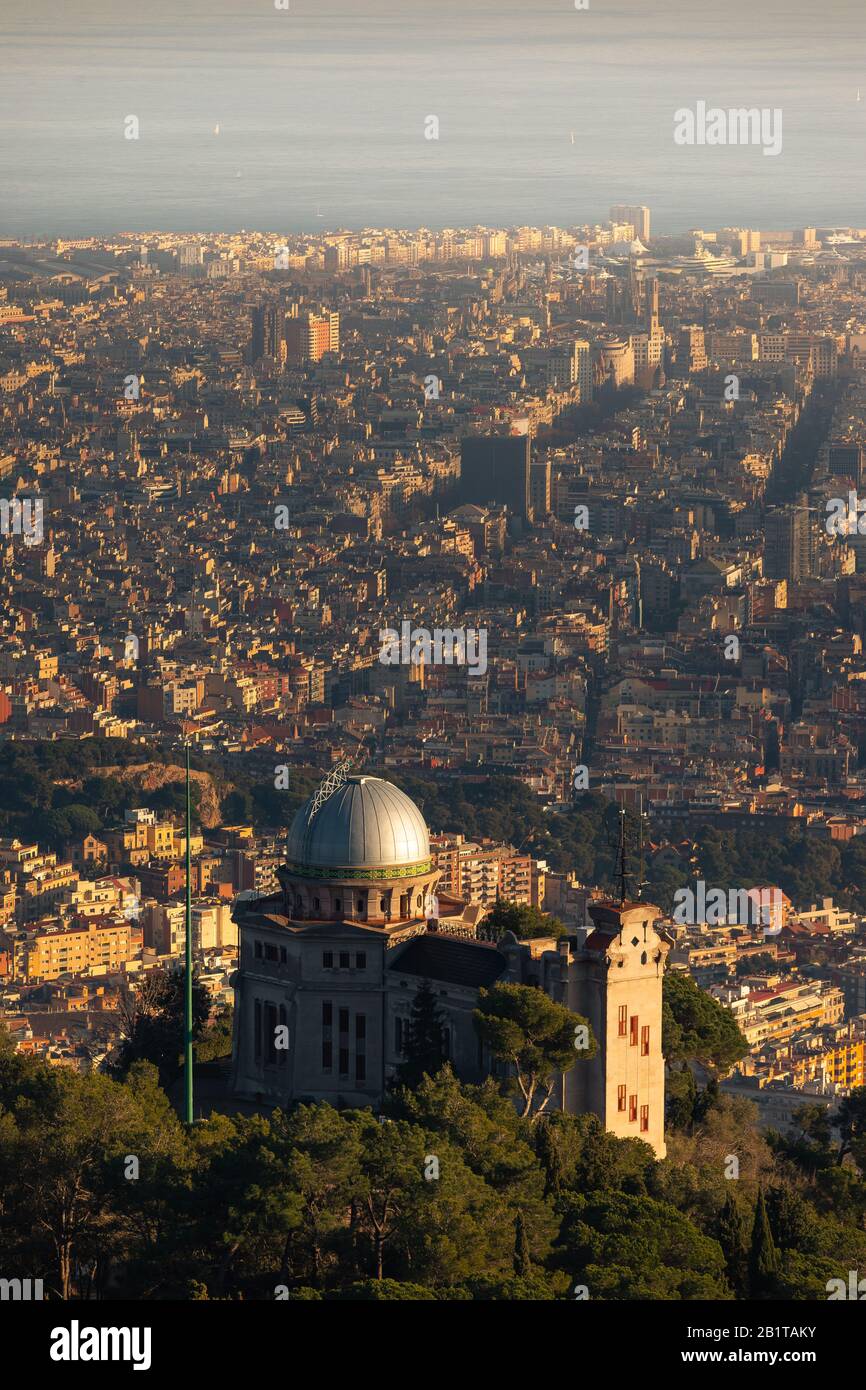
(366,824)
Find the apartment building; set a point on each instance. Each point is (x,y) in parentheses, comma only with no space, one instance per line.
(101,943)
(778,1012)
(483,873)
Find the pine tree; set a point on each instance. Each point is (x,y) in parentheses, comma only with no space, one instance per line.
(682,1099)
(763,1260)
(522,1261)
(424,1045)
(732,1233)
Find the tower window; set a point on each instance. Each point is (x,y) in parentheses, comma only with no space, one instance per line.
(623,1019)
(633,1027)
(632,1108)
(344,960)
(644,1118)
(327,960)
(360,960)
(620,1097)
(644,1041)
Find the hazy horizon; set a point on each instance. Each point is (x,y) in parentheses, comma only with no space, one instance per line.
(321,110)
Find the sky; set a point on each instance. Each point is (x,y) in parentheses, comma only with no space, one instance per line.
(547,114)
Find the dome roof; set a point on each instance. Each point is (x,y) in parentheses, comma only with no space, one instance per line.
(366,824)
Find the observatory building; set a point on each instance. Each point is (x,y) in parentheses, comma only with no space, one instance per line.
(329,967)
(334,959)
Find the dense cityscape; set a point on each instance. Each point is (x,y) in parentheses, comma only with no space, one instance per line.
(517,568)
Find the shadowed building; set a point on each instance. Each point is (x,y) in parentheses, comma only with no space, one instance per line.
(495,468)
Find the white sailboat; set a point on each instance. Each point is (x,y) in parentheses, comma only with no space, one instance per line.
(216,129)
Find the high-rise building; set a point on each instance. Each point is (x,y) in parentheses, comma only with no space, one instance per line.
(495,468)
(539,488)
(569,364)
(648,347)
(691,349)
(651,292)
(615,300)
(788,542)
(310,336)
(636,214)
(845,460)
(266,338)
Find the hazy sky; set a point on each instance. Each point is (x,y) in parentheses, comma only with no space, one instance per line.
(322,108)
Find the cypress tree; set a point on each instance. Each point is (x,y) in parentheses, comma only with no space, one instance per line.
(732,1235)
(522,1262)
(424,1045)
(763,1260)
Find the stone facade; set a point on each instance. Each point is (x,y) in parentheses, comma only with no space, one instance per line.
(328,969)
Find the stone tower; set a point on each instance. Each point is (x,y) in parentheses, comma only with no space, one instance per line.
(614,979)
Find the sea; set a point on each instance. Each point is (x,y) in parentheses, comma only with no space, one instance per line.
(313,115)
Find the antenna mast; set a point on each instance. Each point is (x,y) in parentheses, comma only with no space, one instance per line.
(622,872)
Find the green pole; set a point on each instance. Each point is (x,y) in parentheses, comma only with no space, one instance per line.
(188,982)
